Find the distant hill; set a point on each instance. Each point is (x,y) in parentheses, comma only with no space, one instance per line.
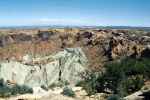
(72,26)
(127,27)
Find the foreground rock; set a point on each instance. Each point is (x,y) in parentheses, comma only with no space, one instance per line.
(64,66)
(143,94)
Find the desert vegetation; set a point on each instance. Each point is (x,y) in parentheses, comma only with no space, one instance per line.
(121,78)
(7,90)
(112,62)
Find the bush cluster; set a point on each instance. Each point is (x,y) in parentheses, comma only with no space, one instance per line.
(59,84)
(114,97)
(68,92)
(8,90)
(120,77)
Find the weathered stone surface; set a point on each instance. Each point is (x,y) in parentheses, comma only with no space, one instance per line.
(65,66)
(143,94)
(44,35)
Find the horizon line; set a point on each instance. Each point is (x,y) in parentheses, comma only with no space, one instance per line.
(73,25)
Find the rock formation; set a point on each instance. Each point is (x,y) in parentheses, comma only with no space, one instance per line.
(63,66)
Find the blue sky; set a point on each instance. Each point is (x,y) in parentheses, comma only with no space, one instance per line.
(75,12)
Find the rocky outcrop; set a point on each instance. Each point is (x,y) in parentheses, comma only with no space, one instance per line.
(14,38)
(64,66)
(18,38)
(121,47)
(44,35)
(143,94)
(109,44)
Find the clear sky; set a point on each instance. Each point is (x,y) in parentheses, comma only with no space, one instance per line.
(75,12)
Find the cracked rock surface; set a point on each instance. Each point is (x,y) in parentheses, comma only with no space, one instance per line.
(65,66)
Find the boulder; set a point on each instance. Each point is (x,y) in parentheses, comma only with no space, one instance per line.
(143,94)
(121,47)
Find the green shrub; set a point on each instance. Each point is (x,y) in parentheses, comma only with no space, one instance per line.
(1,82)
(58,84)
(8,90)
(122,78)
(44,87)
(130,85)
(127,75)
(68,92)
(114,97)
(92,82)
(20,90)
(5,91)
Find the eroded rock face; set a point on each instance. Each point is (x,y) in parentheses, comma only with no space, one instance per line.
(64,66)
(44,35)
(18,38)
(121,47)
(14,38)
(109,44)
